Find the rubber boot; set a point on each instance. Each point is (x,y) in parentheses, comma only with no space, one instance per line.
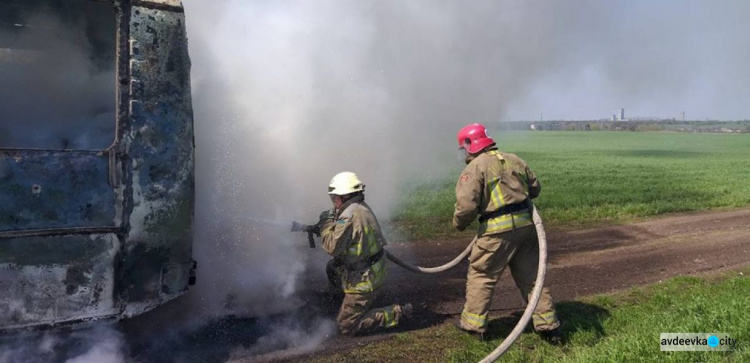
(553,337)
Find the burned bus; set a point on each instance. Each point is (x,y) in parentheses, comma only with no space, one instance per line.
(96,160)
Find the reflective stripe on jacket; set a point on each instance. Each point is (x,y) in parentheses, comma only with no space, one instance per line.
(489,182)
(353,238)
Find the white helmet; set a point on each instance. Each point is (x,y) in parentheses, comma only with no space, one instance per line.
(345,183)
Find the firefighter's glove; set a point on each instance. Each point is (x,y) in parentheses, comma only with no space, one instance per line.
(326,215)
(326,220)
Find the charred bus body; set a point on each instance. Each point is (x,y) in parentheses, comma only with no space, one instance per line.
(96,232)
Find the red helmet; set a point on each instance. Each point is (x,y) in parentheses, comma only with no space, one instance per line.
(474,138)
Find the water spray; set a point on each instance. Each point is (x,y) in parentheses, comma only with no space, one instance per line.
(266,221)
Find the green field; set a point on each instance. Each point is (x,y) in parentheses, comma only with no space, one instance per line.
(591,178)
(594,178)
(620,327)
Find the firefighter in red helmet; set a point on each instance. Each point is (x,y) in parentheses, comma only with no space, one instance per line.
(494,188)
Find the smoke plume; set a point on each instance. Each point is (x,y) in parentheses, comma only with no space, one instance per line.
(100,343)
(288,93)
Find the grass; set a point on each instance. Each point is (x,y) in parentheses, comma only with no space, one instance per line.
(404,347)
(619,327)
(593,178)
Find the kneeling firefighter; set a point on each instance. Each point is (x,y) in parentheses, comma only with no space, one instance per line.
(496,187)
(351,234)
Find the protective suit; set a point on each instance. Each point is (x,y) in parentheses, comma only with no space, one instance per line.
(494,187)
(354,239)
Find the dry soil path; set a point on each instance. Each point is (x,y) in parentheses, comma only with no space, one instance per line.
(581,262)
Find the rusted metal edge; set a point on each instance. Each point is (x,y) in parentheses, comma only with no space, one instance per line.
(72,151)
(123,191)
(112,164)
(59,232)
(74,324)
(23,1)
(155,6)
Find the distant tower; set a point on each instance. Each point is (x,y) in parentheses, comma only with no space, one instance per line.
(622,114)
(614,117)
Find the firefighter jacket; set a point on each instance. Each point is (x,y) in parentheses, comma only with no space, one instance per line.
(355,239)
(494,186)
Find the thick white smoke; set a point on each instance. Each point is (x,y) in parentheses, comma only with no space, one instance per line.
(100,343)
(288,93)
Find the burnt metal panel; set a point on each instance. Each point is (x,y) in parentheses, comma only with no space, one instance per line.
(55,189)
(48,280)
(164,2)
(159,143)
(174,4)
(96,234)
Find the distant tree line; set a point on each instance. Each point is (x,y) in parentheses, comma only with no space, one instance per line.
(638,125)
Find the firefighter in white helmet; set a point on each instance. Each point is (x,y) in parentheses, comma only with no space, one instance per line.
(352,236)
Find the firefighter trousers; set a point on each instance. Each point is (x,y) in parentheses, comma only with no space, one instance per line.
(518,249)
(356,315)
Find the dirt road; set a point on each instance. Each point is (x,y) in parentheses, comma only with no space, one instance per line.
(596,260)
(582,262)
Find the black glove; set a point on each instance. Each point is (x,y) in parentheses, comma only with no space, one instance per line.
(325,220)
(327,215)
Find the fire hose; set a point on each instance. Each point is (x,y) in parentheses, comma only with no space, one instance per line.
(432,270)
(535,294)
